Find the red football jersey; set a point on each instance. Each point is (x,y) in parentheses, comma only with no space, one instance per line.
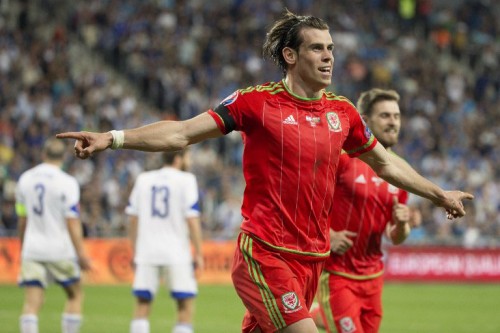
(291,151)
(363,204)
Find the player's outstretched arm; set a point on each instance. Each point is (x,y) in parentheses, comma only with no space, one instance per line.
(400,174)
(158,136)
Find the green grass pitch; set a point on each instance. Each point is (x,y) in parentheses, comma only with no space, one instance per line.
(409,308)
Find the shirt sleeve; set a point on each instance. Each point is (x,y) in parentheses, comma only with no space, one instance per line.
(192,197)
(360,139)
(223,118)
(234,112)
(403,197)
(72,196)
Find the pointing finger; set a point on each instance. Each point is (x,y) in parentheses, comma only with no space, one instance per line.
(467,196)
(70,135)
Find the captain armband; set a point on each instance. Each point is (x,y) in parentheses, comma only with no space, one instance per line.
(226,117)
(20,210)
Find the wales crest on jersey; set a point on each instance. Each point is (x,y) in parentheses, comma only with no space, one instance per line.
(334,122)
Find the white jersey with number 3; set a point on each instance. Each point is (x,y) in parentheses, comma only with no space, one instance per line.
(49,196)
(162,200)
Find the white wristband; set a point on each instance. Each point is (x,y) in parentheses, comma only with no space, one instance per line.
(118,139)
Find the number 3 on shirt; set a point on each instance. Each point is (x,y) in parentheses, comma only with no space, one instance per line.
(38,206)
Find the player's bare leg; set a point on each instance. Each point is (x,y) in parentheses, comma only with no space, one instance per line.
(140,322)
(33,300)
(302,326)
(185,314)
(315,313)
(72,316)
(74,299)
(142,308)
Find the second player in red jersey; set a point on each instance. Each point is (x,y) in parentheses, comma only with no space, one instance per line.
(363,205)
(366,207)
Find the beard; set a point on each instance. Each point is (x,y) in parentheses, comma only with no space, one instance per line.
(388,143)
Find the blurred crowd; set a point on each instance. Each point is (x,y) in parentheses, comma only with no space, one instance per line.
(109,64)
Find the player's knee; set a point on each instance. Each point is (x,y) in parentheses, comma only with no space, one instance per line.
(74,293)
(185,305)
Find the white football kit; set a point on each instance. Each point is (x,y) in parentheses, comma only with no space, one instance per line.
(162,200)
(48,196)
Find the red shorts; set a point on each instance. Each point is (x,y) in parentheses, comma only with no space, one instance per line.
(350,305)
(277,288)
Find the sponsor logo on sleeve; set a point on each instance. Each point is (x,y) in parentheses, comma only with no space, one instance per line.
(368,133)
(230,99)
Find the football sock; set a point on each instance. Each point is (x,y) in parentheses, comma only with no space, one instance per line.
(139,326)
(71,323)
(183,328)
(28,323)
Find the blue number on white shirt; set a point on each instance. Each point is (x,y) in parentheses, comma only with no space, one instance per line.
(38,209)
(159,202)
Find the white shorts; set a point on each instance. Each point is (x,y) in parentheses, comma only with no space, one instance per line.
(179,279)
(41,273)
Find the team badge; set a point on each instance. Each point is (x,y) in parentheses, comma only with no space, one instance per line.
(290,300)
(333,122)
(347,325)
(230,99)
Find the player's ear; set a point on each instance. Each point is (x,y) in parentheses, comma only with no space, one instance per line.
(290,55)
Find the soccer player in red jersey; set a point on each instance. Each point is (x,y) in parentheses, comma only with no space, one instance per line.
(366,208)
(294,133)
